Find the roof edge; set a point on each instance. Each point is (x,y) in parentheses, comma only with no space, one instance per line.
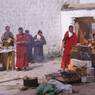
(89,6)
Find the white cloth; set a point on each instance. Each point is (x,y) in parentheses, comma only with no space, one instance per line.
(61,86)
(81,63)
(70,34)
(38,37)
(6,50)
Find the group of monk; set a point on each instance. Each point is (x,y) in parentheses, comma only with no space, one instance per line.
(25,43)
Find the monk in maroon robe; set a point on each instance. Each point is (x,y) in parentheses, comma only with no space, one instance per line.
(70,40)
(29,44)
(21,50)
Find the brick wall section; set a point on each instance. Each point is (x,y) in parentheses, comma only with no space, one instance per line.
(34,15)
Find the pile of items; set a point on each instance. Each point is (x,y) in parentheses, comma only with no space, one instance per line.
(87,71)
(82,58)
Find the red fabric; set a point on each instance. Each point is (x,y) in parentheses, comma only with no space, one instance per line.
(69,42)
(21,51)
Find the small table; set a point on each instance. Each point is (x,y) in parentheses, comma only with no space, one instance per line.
(7,58)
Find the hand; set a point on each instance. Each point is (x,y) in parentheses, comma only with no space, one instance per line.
(20,42)
(61,51)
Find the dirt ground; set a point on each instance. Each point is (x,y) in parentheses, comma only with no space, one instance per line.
(79,89)
(10,84)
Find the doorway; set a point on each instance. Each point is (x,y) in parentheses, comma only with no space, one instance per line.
(86,28)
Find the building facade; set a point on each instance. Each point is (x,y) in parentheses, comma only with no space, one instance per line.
(34,15)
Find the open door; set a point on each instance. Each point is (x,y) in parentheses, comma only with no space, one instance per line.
(84,29)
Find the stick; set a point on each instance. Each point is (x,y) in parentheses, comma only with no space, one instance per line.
(10,80)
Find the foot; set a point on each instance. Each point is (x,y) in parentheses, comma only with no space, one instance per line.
(66,69)
(18,69)
(25,68)
(61,70)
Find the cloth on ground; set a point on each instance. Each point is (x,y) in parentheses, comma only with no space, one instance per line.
(60,86)
(43,89)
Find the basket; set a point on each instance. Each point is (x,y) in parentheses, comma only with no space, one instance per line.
(30,82)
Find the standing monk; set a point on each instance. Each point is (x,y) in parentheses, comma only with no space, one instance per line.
(70,39)
(8,42)
(29,44)
(39,41)
(21,50)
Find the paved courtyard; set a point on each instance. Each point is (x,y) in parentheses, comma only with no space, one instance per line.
(12,81)
(11,84)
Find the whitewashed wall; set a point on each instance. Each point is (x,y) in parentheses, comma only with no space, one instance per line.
(34,15)
(68,16)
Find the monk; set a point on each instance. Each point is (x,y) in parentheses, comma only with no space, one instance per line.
(39,42)
(21,50)
(8,41)
(8,37)
(70,39)
(29,44)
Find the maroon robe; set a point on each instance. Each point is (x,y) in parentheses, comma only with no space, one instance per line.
(21,51)
(29,44)
(69,43)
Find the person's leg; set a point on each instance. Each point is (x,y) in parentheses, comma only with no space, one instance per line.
(65,61)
